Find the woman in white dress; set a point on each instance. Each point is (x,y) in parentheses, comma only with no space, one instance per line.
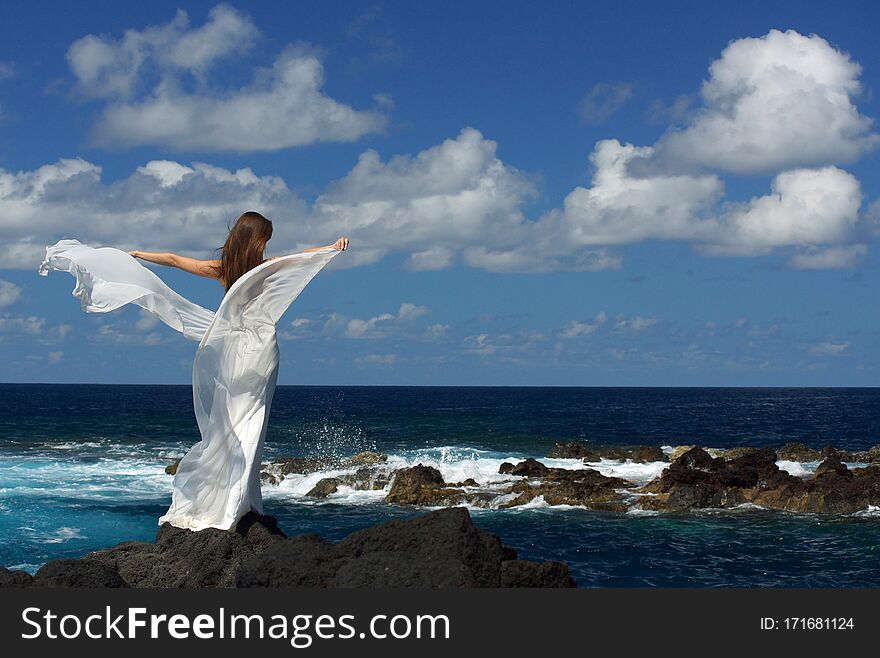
(236,364)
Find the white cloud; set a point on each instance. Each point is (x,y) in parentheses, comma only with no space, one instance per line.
(33,325)
(457,202)
(827,349)
(54,357)
(143,78)
(575,328)
(805,207)
(377,359)
(840,257)
(603,101)
(384,323)
(112,333)
(619,208)
(449,196)
(783,100)
(146,321)
(160,206)
(480,344)
(9,293)
(409,311)
(381,325)
(7,70)
(30,324)
(436,331)
(636,323)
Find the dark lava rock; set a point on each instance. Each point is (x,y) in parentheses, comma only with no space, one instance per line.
(77,573)
(832,464)
(438,549)
(575,450)
(562,486)
(16,578)
(367,459)
(528,468)
(867,456)
(470,482)
(798,452)
(183,558)
(324,488)
(422,485)
(365,479)
(697,480)
(299,465)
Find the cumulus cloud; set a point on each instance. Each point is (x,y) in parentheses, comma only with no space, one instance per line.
(9,293)
(160,206)
(603,101)
(143,78)
(458,202)
(783,100)
(452,195)
(805,207)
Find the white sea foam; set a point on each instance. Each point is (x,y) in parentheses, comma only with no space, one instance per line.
(871,511)
(25,566)
(129,478)
(64,534)
(106,479)
(635,472)
(635,511)
(798,469)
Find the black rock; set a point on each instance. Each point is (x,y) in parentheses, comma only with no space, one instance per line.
(77,573)
(17,578)
(183,558)
(438,549)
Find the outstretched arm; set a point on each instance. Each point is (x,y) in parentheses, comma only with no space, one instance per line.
(341,244)
(207,268)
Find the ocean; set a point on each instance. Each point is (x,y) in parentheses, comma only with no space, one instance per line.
(82,468)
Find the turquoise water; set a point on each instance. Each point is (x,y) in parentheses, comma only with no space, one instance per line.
(82,467)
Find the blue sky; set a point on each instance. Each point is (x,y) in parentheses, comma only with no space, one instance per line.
(544,193)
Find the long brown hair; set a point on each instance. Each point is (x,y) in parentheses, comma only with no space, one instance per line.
(244,246)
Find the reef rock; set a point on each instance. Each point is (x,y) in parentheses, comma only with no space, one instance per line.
(698,480)
(422,485)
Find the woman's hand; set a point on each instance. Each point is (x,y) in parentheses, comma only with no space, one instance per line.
(133,254)
(341,244)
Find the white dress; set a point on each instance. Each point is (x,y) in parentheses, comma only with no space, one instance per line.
(234,371)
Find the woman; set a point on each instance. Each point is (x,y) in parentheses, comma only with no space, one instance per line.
(242,251)
(236,365)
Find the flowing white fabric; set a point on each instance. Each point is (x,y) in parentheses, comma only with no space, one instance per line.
(234,371)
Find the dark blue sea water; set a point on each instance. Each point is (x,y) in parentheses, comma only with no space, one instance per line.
(82,467)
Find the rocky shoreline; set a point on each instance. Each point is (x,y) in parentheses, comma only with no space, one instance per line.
(690,477)
(441,548)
